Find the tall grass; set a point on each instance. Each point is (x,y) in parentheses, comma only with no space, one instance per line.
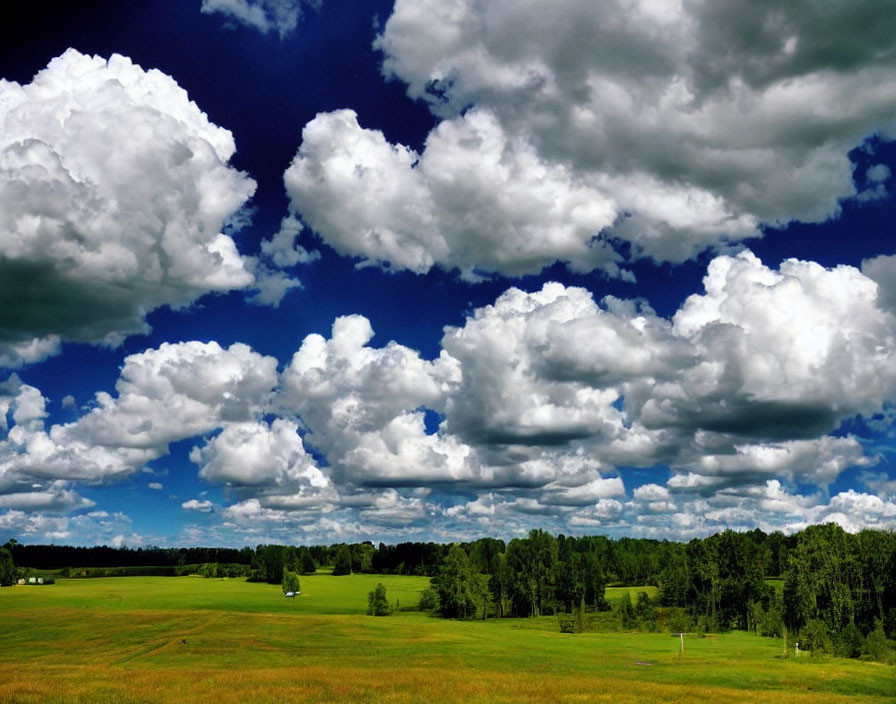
(200,640)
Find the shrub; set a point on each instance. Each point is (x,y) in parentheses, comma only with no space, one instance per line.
(567,623)
(814,636)
(429,600)
(876,646)
(624,611)
(677,620)
(848,642)
(771,625)
(575,622)
(377,604)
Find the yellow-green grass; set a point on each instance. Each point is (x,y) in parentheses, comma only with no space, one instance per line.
(614,594)
(189,639)
(322,594)
(777,584)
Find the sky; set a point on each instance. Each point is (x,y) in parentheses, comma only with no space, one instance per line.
(309,271)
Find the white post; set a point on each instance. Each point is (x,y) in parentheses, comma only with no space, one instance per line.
(681,635)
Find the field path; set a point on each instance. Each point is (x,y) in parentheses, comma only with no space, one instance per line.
(168,642)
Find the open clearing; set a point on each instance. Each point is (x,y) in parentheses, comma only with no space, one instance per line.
(183,639)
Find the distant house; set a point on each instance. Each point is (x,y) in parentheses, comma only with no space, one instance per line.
(40,580)
(290,595)
(21,580)
(32,580)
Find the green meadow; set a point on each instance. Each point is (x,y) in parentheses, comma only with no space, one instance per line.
(187,639)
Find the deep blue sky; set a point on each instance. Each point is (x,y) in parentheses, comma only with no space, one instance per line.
(662,451)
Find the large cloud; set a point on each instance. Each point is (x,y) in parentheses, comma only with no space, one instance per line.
(175,392)
(745,380)
(659,124)
(268,463)
(115,190)
(365,407)
(474,200)
(546,398)
(546,368)
(785,353)
(164,395)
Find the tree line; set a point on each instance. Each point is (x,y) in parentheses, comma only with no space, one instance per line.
(828,587)
(52,557)
(824,588)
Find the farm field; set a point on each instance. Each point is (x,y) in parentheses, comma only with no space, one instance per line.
(190,639)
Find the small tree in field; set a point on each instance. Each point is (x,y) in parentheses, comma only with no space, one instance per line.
(290,582)
(377,604)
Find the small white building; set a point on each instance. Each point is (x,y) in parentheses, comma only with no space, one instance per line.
(21,580)
(32,580)
(40,580)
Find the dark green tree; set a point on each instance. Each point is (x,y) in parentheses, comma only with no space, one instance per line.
(499,585)
(594,579)
(290,558)
(306,562)
(569,577)
(532,562)
(462,591)
(7,568)
(342,565)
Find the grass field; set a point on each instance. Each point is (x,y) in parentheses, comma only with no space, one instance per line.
(189,639)
(614,594)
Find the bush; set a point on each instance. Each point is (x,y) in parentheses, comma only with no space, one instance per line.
(645,613)
(771,625)
(848,642)
(429,600)
(677,620)
(575,622)
(814,636)
(876,646)
(567,623)
(890,622)
(706,624)
(624,612)
(377,604)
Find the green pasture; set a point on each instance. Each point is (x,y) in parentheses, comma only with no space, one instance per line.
(614,594)
(321,594)
(204,640)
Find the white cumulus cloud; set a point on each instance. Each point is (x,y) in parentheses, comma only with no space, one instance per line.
(567,129)
(115,190)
